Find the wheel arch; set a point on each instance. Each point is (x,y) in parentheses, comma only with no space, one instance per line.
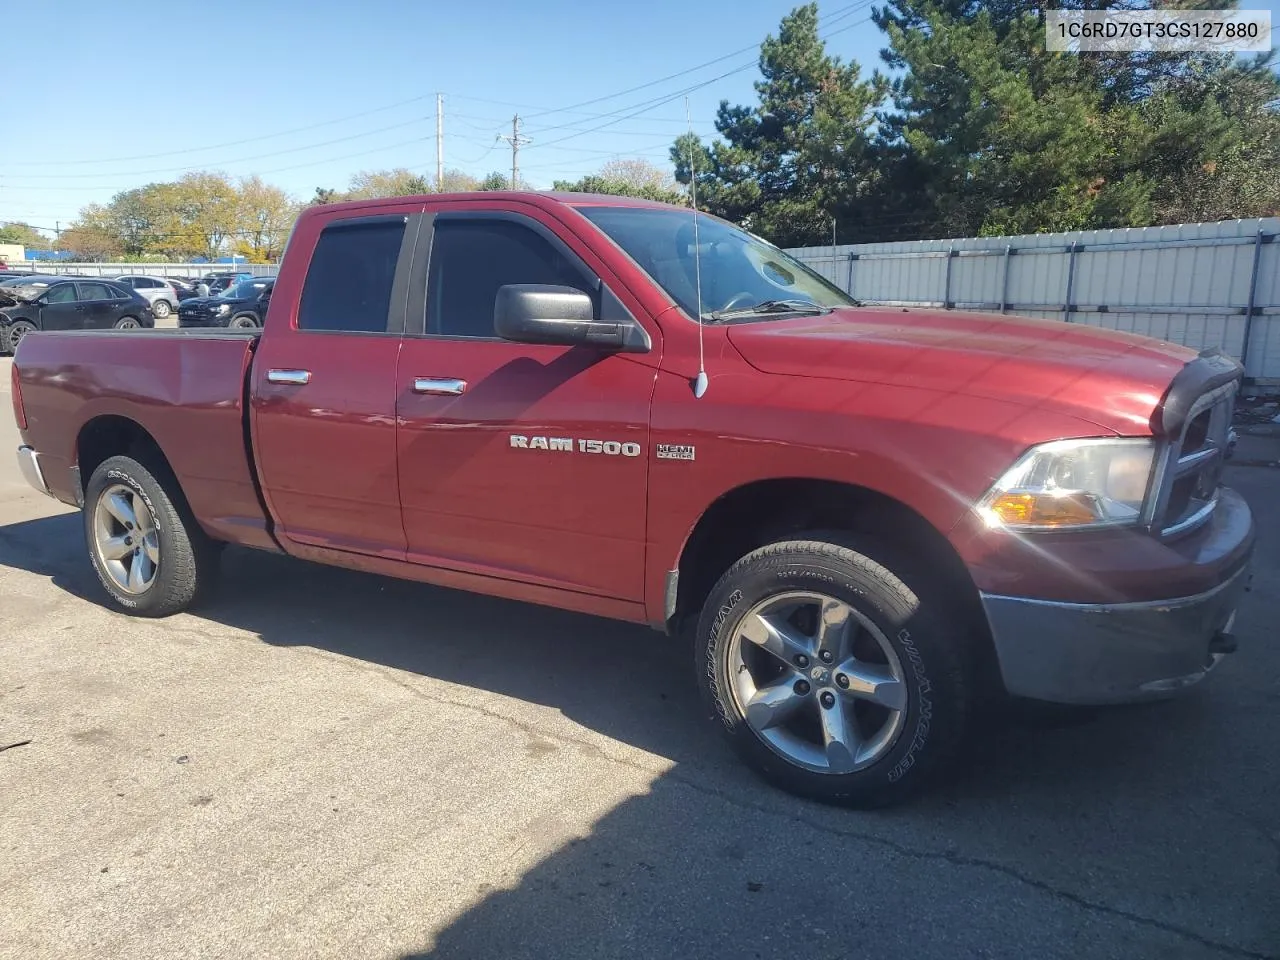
(108,435)
(763,511)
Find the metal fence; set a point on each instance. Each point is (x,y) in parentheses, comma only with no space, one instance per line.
(56,268)
(1198,284)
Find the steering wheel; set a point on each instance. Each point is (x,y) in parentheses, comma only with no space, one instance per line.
(736,299)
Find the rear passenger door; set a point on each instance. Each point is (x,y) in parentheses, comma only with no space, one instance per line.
(323,383)
(98,305)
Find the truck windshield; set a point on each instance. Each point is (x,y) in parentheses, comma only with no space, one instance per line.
(741,274)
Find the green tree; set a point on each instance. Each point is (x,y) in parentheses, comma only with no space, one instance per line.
(24,234)
(455,181)
(628,178)
(803,155)
(324,195)
(494,181)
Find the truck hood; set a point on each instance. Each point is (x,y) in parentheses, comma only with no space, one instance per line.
(1114,380)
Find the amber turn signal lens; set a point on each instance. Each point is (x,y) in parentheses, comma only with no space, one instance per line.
(1042,509)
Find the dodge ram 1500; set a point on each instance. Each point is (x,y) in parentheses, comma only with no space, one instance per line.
(868,519)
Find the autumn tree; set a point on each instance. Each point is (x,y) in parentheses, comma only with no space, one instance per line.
(400,182)
(264,217)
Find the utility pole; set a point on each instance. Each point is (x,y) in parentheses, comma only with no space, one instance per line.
(439,143)
(517,140)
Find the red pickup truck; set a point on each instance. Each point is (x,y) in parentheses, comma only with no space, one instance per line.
(869,519)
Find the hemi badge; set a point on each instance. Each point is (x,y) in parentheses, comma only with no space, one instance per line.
(674,451)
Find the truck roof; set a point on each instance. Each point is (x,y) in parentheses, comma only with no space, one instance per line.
(536,197)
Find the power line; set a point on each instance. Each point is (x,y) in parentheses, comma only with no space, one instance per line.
(218,146)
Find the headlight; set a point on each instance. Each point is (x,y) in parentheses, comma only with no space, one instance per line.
(1073,483)
(224,308)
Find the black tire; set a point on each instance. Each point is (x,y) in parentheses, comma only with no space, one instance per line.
(188,560)
(924,629)
(161,309)
(245,321)
(128,323)
(12,333)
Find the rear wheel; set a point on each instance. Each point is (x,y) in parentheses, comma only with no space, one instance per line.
(11,335)
(161,309)
(127,323)
(148,552)
(834,675)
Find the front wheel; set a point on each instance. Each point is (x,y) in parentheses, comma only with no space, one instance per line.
(831,676)
(246,321)
(161,309)
(11,335)
(146,549)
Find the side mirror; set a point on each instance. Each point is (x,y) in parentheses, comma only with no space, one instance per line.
(563,316)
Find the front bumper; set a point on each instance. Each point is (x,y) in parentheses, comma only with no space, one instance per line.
(29,467)
(1097,653)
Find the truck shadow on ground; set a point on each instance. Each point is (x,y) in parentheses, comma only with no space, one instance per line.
(724,865)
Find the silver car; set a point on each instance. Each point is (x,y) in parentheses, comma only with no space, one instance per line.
(161,294)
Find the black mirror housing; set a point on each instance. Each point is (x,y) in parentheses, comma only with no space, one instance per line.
(565,316)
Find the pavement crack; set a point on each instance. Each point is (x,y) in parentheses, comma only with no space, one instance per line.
(994,866)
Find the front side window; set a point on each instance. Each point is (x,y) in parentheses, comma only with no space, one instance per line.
(349,281)
(471,259)
(62,293)
(738,271)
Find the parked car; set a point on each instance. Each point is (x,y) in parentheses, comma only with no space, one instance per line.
(241,307)
(217,282)
(155,290)
(184,287)
(867,519)
(56,303)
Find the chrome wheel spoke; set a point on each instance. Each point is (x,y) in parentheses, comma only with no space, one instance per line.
(779,639)
(839,737)
(141,571)
(836,627)
(115,548)
(874,682)
(774,704)
(117,504)
(151,546)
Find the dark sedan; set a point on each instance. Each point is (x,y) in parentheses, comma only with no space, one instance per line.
(240,307)
(58,303)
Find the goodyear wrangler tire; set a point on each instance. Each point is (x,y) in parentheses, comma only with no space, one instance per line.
(830,675)
(147,550)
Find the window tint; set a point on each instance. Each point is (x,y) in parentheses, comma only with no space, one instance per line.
(146,283)
(62,293)
(95,291)
(348,285)
(128,281)
(470,260)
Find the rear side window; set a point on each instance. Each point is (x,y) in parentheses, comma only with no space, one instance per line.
(348,285)
(95,291)
(470,260)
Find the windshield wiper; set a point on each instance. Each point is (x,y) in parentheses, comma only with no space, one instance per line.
(804,307)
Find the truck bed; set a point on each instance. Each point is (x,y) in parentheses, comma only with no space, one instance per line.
(185,388)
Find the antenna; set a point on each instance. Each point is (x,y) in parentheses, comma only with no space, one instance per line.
(700,382)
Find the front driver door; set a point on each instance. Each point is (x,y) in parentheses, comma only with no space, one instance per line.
(60,308)
(522,461)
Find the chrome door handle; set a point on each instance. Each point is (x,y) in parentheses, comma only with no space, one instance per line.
(445,387)
(295,377)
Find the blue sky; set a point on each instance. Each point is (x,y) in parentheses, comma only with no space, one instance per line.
(307,93)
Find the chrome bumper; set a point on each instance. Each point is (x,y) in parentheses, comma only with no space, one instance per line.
(29,467)
(1112,653)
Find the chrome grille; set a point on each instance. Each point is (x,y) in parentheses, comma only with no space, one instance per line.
(1189,470)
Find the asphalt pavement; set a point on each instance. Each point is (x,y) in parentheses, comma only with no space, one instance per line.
(321,763)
